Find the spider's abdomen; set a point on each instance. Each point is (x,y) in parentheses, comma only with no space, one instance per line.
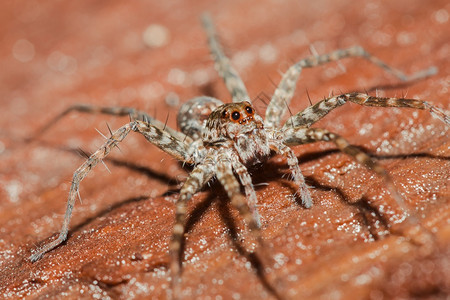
(193,115)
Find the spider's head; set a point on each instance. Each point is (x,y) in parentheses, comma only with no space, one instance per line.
(231,119)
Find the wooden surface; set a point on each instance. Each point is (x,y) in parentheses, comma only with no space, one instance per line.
(54,54)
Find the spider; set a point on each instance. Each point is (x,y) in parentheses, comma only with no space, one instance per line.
(221,140)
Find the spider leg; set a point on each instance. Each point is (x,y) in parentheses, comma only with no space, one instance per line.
(164,141)
(201,174)
(314,113)
(246,181)
(301,135)
(297,175)
(224,173)
(115,111)
(153,134)
(232,80)
(286,88)
(78,176)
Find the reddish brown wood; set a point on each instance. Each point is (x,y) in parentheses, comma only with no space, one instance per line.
(93,52)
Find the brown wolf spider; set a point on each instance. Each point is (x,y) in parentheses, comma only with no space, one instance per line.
(221,140)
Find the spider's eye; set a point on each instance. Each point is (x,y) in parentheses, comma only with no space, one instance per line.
(249,110)
(224,114)
(235,115)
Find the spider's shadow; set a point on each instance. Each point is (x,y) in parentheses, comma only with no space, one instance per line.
(369,213)
(104,212)
(98,215)
(226,215)
(312,156)
(148,172)
(193,218)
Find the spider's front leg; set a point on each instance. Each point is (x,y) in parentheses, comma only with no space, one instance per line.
(201,174)
(153,134)
(314,113)
(165,141)
(246,181)
(224,173)
(78,176)
(221,166)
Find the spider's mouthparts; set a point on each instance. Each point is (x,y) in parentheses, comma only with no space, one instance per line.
(246,120)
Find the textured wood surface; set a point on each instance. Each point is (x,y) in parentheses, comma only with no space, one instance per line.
(54,54)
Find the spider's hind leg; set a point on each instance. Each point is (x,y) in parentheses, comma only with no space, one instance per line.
(231,77)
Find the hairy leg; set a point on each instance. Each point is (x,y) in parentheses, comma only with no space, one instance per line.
(286,88)
(246,181)
(201,174)
(224,173)
(232,80)
(164,141)
(161,139)
(301,135)
(317,111)
(297,175)
(78,176)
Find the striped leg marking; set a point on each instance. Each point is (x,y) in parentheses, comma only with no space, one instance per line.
(196,180)
(297,175)
(317,111)
(78,176)
(246,181)
(232,80)
(284,92)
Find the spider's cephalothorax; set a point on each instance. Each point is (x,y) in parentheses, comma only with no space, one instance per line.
(237,126)
(221,140)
